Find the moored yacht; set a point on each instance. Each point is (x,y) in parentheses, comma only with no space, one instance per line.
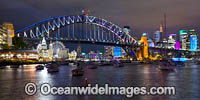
(53,67)
(78,71)
(39,67)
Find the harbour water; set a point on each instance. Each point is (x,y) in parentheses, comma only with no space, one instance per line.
(185,79)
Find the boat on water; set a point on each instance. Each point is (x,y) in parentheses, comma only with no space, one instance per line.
(72,64)
(197,62)
(118,64)
(53,68)
(48,65)
(166,65)
(39,67)
(78,71)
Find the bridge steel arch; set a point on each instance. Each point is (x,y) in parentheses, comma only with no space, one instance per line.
(97,29)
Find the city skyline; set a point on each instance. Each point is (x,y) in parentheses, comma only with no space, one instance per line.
(142,16)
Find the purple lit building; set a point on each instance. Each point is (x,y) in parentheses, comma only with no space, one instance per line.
(177,45)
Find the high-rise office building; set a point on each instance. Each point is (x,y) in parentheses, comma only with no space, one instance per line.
(183,39)
(157,36)
(177,45)
(171,41)
(151,43)
(108,51)
(193,40)
(6,34)
(117,51)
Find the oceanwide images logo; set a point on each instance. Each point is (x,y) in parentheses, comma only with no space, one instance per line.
(30,89)
(47,89)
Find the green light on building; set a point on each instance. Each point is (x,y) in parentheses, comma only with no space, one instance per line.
(183,31)
(192,30)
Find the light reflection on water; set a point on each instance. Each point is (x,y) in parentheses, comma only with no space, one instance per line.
(185,79)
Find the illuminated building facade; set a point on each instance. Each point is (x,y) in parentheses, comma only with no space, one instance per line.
(93,56)
(108,51)
(161,32)
(3,36)
(193,40)
(58,50)
(171,41)
(177,45)
(157,36)
(193,43)
(19,54)
(117,52)
(183,39)
(73,55)
(151,43)
(6,34)
(143,53)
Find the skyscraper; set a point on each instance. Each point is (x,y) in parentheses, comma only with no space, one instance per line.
(183,37)
(108,51)
(193,40)
(171,41)
(161,33)
(6,34)
(157,36)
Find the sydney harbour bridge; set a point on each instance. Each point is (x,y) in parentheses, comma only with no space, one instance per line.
(85,29)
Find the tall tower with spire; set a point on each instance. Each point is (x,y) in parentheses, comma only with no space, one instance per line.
(163,28)
(161,32)
(165,25)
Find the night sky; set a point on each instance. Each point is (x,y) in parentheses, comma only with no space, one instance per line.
(141,15)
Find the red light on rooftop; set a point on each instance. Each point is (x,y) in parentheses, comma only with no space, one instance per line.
(87,12)
(161,28)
